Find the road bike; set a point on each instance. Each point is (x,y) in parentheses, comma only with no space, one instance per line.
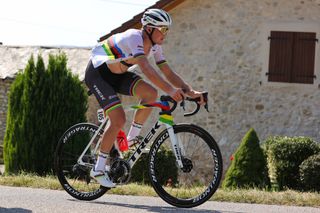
(195,155)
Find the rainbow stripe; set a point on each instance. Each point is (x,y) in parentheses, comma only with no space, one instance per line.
(112,49)
(160,105)
(167,119)
(112,106)
(139,107)
(161,63)
(133,86)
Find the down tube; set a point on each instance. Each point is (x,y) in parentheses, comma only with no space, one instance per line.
(136,155)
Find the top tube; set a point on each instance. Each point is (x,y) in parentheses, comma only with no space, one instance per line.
(163,105)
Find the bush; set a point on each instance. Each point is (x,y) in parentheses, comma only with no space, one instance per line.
(43,103)
(309,172)
(248,167)
(168,170)
(284,157)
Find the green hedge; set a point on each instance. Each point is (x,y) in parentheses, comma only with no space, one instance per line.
(167,168)
(309,172)
(284,156)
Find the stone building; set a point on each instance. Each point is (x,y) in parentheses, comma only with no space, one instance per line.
(259,61)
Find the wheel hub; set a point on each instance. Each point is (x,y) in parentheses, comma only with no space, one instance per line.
(81,172)
(187,165)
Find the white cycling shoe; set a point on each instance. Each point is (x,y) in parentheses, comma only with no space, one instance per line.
(102,178)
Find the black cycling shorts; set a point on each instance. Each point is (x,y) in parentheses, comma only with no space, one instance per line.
(105,85)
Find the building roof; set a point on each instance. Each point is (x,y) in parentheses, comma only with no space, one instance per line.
(166,5)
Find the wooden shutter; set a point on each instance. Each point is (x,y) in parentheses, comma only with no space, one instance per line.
(303,58)
(280,57)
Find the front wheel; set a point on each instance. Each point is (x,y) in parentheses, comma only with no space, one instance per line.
(200,176)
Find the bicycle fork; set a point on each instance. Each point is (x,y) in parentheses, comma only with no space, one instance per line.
(177,147)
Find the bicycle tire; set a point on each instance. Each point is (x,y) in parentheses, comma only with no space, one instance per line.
(75,179)
(180,191)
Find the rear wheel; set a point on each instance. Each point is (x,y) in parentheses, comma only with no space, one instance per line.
(75,178)
(200,176)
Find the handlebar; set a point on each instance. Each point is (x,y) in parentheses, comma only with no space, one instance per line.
(182,104)
(167,98)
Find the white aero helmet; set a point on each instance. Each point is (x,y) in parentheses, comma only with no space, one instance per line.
(156,17)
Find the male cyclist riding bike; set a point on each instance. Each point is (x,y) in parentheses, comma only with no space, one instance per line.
(107,74)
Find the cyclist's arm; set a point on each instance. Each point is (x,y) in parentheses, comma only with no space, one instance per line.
(153,75)
(174,78)
(178,82)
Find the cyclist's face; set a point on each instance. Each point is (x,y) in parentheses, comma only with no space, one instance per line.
(159,34)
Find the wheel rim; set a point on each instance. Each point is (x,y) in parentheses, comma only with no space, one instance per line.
(200,175)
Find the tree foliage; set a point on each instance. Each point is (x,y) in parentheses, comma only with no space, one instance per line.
(248,167)
(43,103)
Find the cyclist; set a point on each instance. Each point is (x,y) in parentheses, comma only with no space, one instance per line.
(107,74)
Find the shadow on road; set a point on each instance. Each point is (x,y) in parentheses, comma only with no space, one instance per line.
(159,209)
(14,210)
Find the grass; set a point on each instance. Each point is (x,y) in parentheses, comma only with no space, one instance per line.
(287,197)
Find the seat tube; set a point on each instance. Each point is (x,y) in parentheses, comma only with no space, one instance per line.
(175,145)
(91,141)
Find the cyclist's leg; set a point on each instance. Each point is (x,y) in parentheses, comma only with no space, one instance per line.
(110,102)
(133,85)
(147,94)
(117,120)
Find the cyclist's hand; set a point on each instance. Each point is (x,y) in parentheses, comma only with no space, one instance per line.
(196,94)
(177,94)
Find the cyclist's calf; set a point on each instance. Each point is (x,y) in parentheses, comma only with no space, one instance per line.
(117,118)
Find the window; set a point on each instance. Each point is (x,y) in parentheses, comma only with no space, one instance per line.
(292,57)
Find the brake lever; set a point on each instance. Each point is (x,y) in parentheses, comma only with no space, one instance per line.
(205,98)
(182,104)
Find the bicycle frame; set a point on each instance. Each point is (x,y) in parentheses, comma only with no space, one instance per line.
(165,119)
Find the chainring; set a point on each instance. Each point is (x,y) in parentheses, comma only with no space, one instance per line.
(120,171)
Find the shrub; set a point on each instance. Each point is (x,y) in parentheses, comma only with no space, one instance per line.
(43,103)
(309,171)
(284,157)
(167,169)
(248,167)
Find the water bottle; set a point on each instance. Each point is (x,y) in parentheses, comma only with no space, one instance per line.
(122,141)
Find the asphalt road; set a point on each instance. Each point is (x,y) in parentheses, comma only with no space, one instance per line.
(27,200)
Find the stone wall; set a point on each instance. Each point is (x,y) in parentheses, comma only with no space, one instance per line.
(222,46)
(4,90)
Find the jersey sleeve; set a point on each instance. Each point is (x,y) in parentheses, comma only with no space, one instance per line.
(158,56)
(135,44)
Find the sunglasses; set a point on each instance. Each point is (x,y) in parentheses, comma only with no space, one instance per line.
(164,30)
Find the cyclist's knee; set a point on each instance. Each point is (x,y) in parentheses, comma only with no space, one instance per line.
(153,94)
(146,91)
(150,95)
